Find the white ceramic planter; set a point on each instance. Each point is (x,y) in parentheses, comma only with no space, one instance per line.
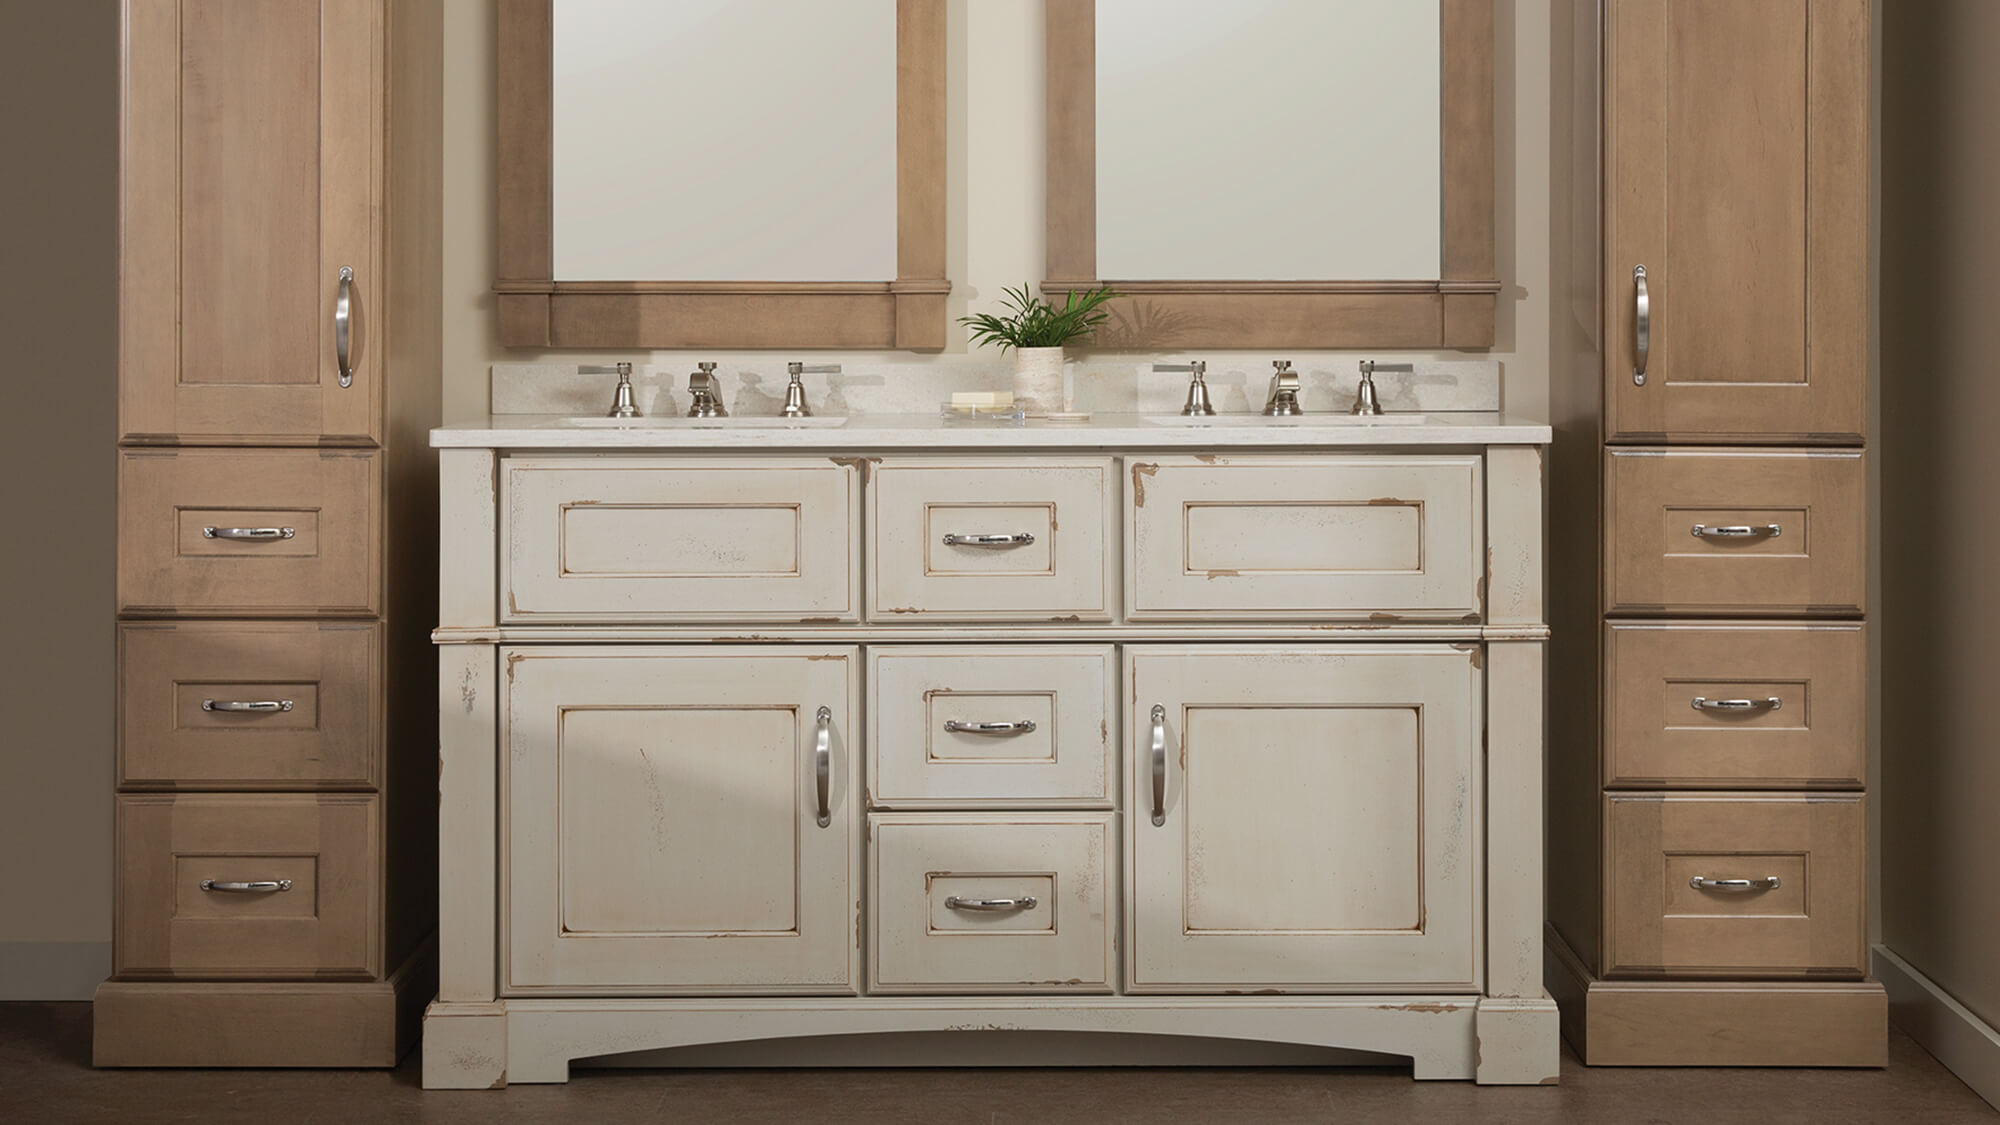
(1038,378)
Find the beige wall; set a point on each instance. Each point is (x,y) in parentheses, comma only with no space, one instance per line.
(994,188)
(1939,616)
(58,185)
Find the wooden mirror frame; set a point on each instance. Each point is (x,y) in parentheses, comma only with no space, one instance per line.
(535,309)
(1455,311)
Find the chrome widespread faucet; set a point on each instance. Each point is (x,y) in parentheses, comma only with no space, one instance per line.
(795,391)
(704,401)
(1283,401)
(1197,396)
(622,405)
(1365,399)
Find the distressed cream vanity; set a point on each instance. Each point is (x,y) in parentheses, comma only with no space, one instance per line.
(756,730)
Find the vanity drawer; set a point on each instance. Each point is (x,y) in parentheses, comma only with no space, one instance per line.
(275,704)
(1337,537)
(1007,539)
(1735,532)
(320,925)
(965,903)
(1766,705)
(671,540)
(257,532)
(1811,923)
(1048,710)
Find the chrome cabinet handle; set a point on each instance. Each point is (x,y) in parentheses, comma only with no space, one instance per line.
(1642,325)
(343,330)
(259,887)
(1159,765)
(823,765)
(1025,902)
(1018,726)
(1015,539)
(261,706)
(1736,531)
(1771,703)
(248,532)
(1704,883)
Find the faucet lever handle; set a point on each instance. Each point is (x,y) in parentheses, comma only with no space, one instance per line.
(1197,396)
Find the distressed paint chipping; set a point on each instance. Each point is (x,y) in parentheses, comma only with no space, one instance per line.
(1140,471)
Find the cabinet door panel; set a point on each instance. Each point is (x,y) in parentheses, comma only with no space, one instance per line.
(663,827)
(250,180)
(1736,141)
(1318,819)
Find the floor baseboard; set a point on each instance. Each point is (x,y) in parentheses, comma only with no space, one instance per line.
(1959,1039)
(52,970)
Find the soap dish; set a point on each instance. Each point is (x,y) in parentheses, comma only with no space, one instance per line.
(1011,414)
(1068,416)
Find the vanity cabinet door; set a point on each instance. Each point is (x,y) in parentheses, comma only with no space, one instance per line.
(664,829)
(250,154)
(1303,819)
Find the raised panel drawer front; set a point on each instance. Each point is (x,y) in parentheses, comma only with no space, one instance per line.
(248,886)
(997,726)
(1736,885)
(671,540)
(1767,705)
(1022,902)
(1378,537)
(275,704)
(257,532)
(1007,539)
(1303,819)
(666,828)
(1713,531)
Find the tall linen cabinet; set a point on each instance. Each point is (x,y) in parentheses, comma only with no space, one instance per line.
(1708,761)
(278,370)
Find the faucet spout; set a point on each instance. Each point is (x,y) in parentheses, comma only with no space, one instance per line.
(703,400)
(1283,401)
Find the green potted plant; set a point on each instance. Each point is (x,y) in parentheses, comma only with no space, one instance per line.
(1036,331)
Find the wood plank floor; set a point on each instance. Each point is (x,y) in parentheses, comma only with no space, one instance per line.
(46,1079)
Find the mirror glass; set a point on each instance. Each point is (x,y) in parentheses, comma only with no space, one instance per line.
(724,140)
(1271,140)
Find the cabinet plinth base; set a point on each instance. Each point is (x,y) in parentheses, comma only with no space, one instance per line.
(1717,1023)
(487,1046)
(263,1023)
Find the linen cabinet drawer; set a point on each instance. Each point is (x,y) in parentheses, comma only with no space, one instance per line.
(274,704)
(1715,885)
(1712,531)
(248,886)
(964,903)
(1000,540)
(1304,538)
(258,532)
(664,539)
(997,727)
(1767,705)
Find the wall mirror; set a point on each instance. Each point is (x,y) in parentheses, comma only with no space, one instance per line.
(1275,173)
(721,173)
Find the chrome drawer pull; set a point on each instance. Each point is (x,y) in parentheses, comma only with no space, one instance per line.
(248,532)
(1025,902)
(823,765)
(1772,703)
(260,887)
(1159,765)
(1704,883)
(1014,539)
(343,327)
(1739,531)
(1019,726)
(1642,326)
(260,706)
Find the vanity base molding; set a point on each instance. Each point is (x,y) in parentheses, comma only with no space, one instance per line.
(1491,1041)
(1716,1023)
(264,1023)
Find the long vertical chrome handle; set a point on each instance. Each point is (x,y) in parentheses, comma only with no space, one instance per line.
(1642,325)
(1159,765)
(823,765)
(343,327)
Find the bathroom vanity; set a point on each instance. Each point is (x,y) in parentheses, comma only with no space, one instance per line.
(756,728)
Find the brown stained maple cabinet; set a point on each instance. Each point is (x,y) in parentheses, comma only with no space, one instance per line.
(279,365)
(1710,570)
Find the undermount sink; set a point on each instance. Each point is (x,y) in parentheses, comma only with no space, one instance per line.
(1238,421)
(681,422)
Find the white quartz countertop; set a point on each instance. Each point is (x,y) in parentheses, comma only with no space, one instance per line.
(928,431)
